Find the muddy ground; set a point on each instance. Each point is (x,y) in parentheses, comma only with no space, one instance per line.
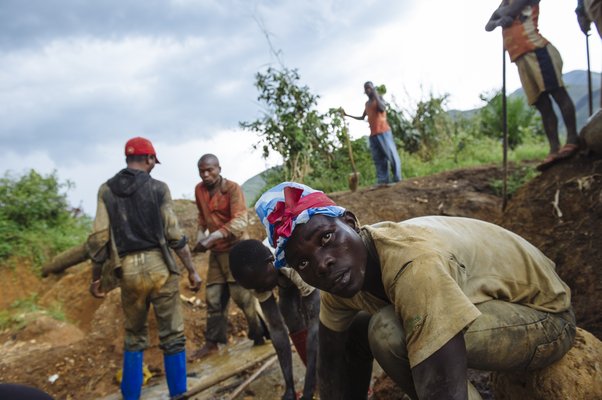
(560,211)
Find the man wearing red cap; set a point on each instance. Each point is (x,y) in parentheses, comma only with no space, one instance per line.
(135,211)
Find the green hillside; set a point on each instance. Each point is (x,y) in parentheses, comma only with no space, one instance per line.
(575,81)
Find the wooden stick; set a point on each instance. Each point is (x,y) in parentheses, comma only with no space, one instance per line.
(212,381)
(252,377)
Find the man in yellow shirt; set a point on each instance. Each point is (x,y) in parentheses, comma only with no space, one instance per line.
(445,294)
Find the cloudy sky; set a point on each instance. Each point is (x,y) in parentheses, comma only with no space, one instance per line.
(79,77)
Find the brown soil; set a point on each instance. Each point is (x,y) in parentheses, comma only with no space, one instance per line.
(86,350)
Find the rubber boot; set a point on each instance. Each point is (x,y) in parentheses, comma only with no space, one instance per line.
(299,339)
(131,382)
(175,372)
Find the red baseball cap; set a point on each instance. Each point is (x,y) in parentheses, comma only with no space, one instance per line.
(140,146)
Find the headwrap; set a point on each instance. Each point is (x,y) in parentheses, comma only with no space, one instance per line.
(281,208)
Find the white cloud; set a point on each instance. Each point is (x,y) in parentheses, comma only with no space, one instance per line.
(74,86)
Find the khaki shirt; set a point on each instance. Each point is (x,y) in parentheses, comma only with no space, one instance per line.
(435,269)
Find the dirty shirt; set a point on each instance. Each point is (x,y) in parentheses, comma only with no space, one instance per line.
(225,211)
(523,35)
(376,119)
(172,231)
(434,271)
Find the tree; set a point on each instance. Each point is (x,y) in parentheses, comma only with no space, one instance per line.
(521,120)
(291,125)
(35,218)
(423,131)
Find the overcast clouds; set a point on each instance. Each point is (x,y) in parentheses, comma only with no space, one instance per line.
(78,78)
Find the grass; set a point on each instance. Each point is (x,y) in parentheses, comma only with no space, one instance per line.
(17,315)
(479,152)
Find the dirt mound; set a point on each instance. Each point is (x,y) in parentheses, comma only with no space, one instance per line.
(560,211)
(83,366)
(576,376)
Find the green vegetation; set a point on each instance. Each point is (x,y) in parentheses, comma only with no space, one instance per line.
(291,125)
(521,121)
(36,221)
(429,139)
(517,179)
(20,311)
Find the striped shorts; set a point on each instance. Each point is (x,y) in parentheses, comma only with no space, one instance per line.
(540,71)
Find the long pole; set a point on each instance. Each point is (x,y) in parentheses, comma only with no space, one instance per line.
(505,131)
(589,77)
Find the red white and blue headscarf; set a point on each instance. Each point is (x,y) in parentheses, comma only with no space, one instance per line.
(281,208)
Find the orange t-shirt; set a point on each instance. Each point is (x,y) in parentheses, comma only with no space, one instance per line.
(523,35)
(376,119)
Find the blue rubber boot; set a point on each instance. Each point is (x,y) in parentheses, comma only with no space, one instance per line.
(131,382)
(175,372)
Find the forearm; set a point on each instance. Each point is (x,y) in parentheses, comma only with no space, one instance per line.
(380,103)
(359,118)
(512,10)
(280,341)
(444,373)
(186,257)
(312,357)
(96,271)
(331,363)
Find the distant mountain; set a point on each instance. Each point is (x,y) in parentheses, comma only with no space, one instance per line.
(252,186)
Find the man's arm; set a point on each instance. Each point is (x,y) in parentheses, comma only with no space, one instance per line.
(363,116)
(582,18)
(311,304)
(331,363)
(443,374)
(380,103)
(280,341)
(177,240)
(193,277)
(101,223)
(506,13)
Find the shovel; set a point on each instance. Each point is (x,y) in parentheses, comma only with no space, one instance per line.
(354,177)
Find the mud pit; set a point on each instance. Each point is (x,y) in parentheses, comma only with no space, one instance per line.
(85,352)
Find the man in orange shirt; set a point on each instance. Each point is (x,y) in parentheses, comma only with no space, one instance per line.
(222,212)
(540,70)
(382,146)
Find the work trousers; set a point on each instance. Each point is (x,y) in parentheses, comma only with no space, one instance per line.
(220,287)
(145,281)
(506,337)
(385,157)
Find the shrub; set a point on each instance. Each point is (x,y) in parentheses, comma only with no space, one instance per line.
(36,221)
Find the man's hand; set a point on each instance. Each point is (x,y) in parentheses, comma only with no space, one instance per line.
(96,291)
(584,23)
(209,242)
(199,248)
(504,22)
(289,395)
(195,281)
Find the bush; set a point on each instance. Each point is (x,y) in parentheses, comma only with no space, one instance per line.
(36,221)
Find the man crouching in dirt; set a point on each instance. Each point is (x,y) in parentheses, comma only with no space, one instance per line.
(445,294)
(298,306)
(137,212)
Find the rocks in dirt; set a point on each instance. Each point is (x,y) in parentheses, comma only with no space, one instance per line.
(578,375)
